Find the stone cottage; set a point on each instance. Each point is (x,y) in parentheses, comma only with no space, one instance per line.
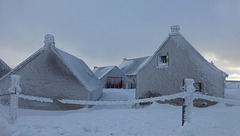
(176,59)
(53,73)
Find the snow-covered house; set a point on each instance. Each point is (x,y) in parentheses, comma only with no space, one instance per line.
(4,68)
(130,68)
(53,73)
(175,60)
(111,77)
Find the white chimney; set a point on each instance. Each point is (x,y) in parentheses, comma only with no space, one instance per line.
(175,29)
(49,41)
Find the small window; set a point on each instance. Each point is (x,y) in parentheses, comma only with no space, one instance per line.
(162,61)
(198,87)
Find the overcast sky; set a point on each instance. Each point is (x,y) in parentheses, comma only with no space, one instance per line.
(103,32)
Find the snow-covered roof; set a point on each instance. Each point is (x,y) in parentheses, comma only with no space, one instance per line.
(217,69)
(100,72)
(4,68)
(77,66)
(132,66)
(79,69)
(34,55)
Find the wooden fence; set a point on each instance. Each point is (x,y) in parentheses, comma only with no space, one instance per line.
(188,94)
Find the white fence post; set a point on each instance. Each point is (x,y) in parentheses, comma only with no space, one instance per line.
(188,101)
(14,91)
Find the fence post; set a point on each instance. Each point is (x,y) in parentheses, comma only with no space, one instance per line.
(14,91)
(188,100)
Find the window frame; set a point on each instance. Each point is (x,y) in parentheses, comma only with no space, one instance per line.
(160,61)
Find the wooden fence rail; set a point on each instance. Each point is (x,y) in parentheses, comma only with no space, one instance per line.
(188,94)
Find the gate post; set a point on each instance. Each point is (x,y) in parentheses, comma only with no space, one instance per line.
(14,91)
(188,100)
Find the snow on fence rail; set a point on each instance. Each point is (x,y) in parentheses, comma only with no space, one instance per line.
(216,99)
(35,98)
(153,99)
(188,95)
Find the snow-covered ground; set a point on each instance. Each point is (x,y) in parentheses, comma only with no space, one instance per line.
(231,93)
(124,120)
(233,84)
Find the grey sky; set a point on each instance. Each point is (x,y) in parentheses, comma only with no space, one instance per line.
(102,32)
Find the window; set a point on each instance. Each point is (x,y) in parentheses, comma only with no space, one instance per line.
(162,60)
(114,82)
(198,87)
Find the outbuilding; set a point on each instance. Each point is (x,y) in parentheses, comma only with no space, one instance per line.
(111,77)
(130,68)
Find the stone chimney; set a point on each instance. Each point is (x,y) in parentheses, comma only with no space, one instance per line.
(175,29)
(49,41)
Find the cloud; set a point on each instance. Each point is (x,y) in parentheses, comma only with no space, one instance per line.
(211,56)
(13,57)
(237,69)
(104,32)
(224,64)
(234,77)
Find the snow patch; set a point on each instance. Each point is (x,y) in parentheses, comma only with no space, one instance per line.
(6,129)
(36,98)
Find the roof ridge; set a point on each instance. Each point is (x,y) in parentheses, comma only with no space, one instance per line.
(107,71)
(4,63)
(53,49)
(96,70)
(23,63)
(73,70)
(136,58)
(106,66)
(211,65)
(150,57)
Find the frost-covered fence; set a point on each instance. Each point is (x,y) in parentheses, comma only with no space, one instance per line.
(35,98)
(191,95)
(188,94)
(188,100)
(14,90)
(153,99)
(216,99)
